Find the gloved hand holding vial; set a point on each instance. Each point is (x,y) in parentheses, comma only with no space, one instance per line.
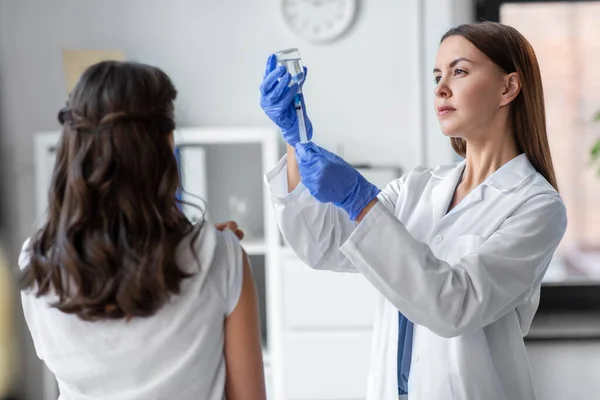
(282,98)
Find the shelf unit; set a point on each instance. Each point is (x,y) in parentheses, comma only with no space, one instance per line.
(235,159)
(316,325)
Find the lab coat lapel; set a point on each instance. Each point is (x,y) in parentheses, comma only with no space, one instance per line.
(473,197)
(442,192)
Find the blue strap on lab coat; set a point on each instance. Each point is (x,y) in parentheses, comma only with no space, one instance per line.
(405,340)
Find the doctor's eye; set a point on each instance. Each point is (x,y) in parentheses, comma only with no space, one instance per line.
(459,71)
(437,79)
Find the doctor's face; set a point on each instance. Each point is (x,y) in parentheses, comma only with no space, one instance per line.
(468,90)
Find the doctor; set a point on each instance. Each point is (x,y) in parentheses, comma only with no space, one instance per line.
(456,252)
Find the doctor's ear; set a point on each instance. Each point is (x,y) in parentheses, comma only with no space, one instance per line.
(512,88)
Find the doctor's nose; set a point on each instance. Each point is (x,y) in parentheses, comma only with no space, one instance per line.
(442,90)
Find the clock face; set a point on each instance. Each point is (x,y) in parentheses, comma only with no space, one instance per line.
(319,20)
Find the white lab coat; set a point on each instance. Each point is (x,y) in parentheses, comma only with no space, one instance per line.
(469,279)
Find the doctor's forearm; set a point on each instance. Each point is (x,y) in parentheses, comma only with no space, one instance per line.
(293,173)
(365,210)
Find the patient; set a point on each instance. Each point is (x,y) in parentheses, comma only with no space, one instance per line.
(123,296)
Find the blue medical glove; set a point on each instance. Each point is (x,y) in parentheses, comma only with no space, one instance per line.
(277,101)
(330,179)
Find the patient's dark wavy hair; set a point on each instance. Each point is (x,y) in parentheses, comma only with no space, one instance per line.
(107,247)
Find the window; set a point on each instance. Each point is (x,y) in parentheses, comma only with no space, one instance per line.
(564,35)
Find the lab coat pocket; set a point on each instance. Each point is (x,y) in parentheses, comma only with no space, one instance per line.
(463,245)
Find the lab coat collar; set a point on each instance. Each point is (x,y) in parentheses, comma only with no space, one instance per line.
(443,191)
(512,174)
(508,177)
(446,171)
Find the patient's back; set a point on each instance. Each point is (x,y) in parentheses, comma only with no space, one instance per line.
(176,353)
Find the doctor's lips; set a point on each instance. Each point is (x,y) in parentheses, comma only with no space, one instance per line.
(443,110)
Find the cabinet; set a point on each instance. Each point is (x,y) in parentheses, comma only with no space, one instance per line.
(327,332)
(316,325)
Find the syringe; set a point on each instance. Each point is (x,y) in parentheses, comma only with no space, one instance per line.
(298,106)
(290,58)
(300,115)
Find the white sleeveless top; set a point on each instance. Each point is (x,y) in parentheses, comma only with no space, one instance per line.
(175,354)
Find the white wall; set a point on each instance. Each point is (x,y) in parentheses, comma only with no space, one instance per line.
(215,53)
(365,92)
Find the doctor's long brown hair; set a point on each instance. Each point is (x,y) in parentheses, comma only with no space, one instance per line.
(508,49)
(107,247)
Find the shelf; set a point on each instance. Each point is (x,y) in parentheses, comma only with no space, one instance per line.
(223,135)
(254,247)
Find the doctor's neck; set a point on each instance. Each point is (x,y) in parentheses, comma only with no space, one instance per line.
(488,154)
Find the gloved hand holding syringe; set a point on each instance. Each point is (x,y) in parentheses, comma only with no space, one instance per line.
(282,98)
(290,59)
